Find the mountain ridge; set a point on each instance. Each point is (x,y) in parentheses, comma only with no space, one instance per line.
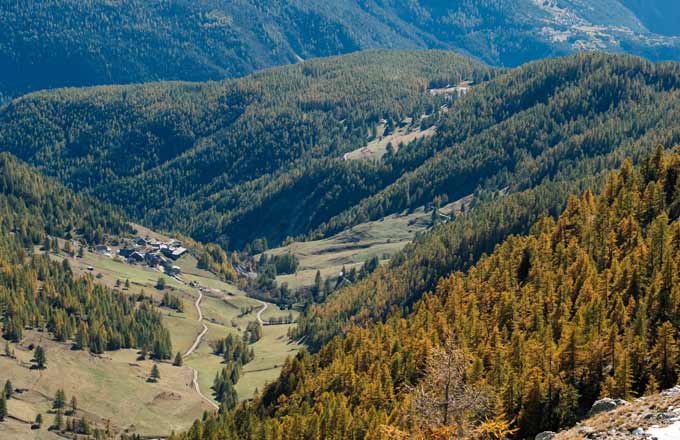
(131,41)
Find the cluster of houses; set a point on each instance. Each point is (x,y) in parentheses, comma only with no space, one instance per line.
(450,91)
(151,252)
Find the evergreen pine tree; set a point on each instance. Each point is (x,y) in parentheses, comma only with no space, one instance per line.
(178,360)
(229,398)
(155,374)
(8,389)
(3,408)
(59,420)
(160,284)
(59,399)
(84,426)
(316,292)
(40,358)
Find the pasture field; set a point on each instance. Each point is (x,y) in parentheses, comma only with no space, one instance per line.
(377,148)
(113,387)
(352,247)
(110,387)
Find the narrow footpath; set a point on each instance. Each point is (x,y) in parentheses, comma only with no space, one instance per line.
(195,345)
(259,313)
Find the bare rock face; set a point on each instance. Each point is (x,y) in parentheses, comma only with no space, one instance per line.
(605,405)
(546,435)
(645,418)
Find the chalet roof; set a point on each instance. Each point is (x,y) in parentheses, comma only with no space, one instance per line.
(179,251)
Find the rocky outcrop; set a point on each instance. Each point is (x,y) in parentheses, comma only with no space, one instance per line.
(645,418)
(605,405)
(546,435)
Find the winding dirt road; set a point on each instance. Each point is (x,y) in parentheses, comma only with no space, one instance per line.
(197,342)
(200,393)
(195,345)
(259,313)
(199,338)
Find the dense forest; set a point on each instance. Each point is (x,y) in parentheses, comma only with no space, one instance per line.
(221,161)
(262,157)
(520,143)
(35,206)
(40,293)
(60,43)
(583,306)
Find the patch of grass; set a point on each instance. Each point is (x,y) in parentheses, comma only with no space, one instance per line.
(112,386)
(270,354)
(114,375)
(14,430)
(273,311)
(351,248)
(377,148)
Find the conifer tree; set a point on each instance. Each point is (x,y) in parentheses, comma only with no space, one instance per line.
(155,374)
(9,390)
(160,283)
(228,398)
(59,399)
(59,420)
(316,291)
(84,426)
(40,358)
(665,355)
(178,360)
(3,408)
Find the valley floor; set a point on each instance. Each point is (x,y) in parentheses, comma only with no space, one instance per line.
(113,386)
(351,248)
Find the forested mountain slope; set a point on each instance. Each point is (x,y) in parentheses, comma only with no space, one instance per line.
(33,205)
(262,157)
(659,16)
(527,339)
(539,133)
(236,160)
(40,293)
(57,43)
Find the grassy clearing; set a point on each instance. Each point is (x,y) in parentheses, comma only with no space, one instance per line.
(351,248)
(273,311)
(270,353)
(377,148)
(204,361)
(12,429)
(189,265)
(111,386)
(223,318)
